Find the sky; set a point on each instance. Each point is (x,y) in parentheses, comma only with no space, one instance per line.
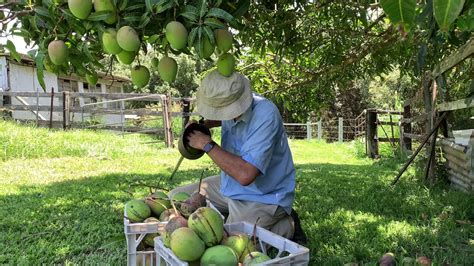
(20,44)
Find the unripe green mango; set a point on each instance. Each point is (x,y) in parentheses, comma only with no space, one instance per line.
(176,34)
(226,64)
(106,5)
(224,40)
(168,69)
(140,76)
(186,244)
(128,39)
(208,224)
(58,52)
(80,8)
(109,42)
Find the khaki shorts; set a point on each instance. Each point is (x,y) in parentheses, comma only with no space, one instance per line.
(272,217)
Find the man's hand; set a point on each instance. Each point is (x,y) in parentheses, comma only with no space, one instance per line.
(198,140)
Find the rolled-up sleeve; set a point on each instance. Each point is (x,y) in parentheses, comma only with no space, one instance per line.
(258,147)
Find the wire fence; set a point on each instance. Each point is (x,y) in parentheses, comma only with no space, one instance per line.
(330,130)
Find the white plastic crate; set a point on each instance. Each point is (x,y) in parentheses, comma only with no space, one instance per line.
(289,252)
(135,232)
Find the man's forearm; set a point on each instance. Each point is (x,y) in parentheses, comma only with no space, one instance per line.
(234,166)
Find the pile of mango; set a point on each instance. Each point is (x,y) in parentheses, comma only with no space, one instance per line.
(194,232)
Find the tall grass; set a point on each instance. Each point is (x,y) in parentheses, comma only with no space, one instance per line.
(28,141)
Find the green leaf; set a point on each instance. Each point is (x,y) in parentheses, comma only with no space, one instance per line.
(190,12)
(21,32)
(400,11)
(192,36)
(134,7)
(42,11)
(198,43)
(132,17)
(218,3)
(153,38)
(99,16)
(40,69)
(32,53)
(164,6)
(203,9)
(145,19)
(12,49)
(86,51)
(214,23)
(446,12)
(149,5)
(123,4)
(466,22)
(220,13)
(210,34)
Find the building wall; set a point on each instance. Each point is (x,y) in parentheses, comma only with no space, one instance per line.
(25,79)
(3,74)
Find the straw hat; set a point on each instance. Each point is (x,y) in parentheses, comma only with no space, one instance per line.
(223,98)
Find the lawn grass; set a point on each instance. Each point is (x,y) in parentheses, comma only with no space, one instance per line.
(62,196)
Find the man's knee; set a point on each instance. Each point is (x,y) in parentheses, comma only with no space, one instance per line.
(284,227)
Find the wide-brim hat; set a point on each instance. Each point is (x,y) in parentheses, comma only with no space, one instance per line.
(223,98)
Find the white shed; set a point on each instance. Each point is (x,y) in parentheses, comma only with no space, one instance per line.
(22,77)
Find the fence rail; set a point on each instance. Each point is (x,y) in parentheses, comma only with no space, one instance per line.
(62,109)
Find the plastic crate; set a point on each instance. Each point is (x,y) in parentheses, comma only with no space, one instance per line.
(135,232)
(289,252)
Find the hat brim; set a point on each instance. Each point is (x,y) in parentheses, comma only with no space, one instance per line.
(231,111)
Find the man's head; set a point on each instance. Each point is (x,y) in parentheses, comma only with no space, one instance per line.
(223,98)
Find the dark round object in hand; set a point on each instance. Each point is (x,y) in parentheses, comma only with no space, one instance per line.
(187,151)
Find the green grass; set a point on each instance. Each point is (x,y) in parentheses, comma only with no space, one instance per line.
(61,200)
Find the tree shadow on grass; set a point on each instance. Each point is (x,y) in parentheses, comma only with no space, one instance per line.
(72,221)
(348,211)
(352,214)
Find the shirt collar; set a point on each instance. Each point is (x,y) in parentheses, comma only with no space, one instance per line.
(245,117)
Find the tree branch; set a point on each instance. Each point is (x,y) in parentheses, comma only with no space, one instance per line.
(389,37)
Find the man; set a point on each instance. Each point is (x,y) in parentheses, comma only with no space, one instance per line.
(257,181)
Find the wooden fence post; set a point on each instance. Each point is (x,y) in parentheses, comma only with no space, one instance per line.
(167,121)
(406,142)
(309,130)
(66,110)
(52,108)
(320,129)
(186,104)
(170,121)
(371,133)
(341,130)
